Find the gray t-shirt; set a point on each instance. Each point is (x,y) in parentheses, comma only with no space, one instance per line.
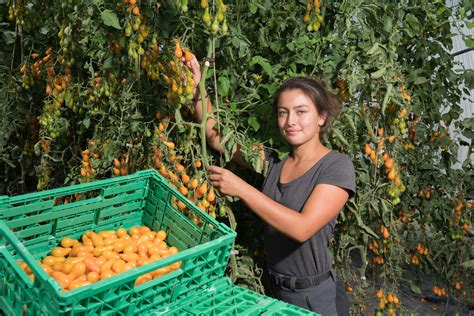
(283,254)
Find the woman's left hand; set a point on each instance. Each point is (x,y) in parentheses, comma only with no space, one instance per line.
(226,181)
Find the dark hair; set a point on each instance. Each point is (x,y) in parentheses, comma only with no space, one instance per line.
(326,102)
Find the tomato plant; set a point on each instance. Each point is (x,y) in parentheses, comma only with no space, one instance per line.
(96,89)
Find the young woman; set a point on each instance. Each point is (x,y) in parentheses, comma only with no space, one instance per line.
(301,198)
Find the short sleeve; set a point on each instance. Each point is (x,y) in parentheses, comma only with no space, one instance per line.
(270,155)
(340,172)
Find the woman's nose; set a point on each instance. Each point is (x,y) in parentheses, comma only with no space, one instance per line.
(290,119)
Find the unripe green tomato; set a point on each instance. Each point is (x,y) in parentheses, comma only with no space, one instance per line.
(214,27)
(225,28)
(396,201)
(219,16)
(128,30)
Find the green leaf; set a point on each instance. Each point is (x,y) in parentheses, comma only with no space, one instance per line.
(388,24)
(44,30)
(253,8)
(420,80)
(414,288)
(8,37)
(361,224)
(254,123)
(109,63)
(468,123)
(224,86)
(469,41)
(469,79)
(379,73)
(413,22)
(262,62)
(468,264)
(86,122)
(147,132)
(374,50)
(468,134)
(110,19)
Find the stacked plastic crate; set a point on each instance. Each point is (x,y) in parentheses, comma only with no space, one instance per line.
(31,225)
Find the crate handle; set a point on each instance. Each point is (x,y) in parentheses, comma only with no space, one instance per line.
(5,233)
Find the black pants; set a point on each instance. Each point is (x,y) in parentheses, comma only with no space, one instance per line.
(329,298)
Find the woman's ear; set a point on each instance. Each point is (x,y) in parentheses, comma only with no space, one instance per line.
(322,120)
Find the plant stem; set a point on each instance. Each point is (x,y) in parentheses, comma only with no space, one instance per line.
(202,91)
(233,259)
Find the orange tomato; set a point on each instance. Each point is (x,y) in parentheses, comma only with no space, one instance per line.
(130,256)
(392,174)
(60,252)
(91,265)
(121,232)
(178,52)
(161,235)
(93,276)
(67,266)
(388,163)
(118,266)
(134,231)
(211,197)
(173,250)
(368,149)
(188,56)
(379,294)
(78,270)
(198,164)
(183,190)
(106,274)
(185,178)
(67,242)
(63,279)
(203,188)
(143,278)
(168,144)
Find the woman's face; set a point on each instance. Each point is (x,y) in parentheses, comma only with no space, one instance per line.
(298,119)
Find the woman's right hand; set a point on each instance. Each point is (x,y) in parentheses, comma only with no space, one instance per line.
(195,68)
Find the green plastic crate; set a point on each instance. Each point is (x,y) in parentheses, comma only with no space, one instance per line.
(223,298)
(32,224)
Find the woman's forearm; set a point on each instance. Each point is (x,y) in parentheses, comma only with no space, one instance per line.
(283,219)
(322,206)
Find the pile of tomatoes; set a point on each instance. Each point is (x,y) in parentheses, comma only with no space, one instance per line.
(98,256)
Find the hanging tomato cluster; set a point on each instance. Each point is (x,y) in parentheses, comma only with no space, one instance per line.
(179,78)
(459,224)
(100,90)
(420,252)
(187,177)
(136,30)
(343,92)
(396,187)
(389,302)
(313,16)
(378,249)
(219,17)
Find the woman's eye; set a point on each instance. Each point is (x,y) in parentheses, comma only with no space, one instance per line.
(281,113)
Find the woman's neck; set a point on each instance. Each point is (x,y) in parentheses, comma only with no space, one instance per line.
(308,152)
